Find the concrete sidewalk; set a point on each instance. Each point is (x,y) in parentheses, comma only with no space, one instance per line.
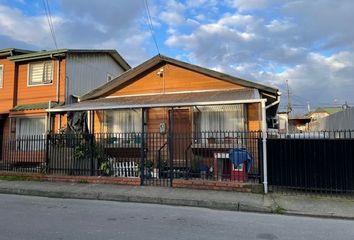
(271,203)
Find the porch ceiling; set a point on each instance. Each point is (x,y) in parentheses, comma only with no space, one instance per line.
(165,100)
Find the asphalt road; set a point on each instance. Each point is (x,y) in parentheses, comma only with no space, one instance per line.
(25,217)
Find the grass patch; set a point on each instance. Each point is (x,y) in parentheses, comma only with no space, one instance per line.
(19,178)
(279,210)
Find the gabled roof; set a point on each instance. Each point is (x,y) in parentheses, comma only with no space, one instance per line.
(13,52)
(158,59)
(62,52)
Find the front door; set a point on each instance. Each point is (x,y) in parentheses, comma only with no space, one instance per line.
(181,137)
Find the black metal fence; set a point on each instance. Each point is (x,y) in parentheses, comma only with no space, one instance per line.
(319,162)
(155,158)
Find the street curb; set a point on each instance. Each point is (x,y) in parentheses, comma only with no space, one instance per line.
(235,206)
(218,205)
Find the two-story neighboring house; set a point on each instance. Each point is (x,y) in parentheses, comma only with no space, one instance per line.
(49,78)
(7,85)
(31,82)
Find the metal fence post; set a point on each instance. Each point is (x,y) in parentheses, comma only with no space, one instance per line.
(142,150)
(47,136)
(92,148)
(170,145)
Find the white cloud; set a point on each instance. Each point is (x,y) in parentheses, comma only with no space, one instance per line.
(311,43)
(278,25)
(172,18)
(244,5)
(16,25)
(321,78)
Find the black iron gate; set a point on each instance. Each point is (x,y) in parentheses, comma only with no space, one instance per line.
(310,164)
(156,168)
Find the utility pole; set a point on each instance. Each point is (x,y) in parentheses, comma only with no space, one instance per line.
(289,107)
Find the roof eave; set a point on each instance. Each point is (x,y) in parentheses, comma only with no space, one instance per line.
(6,52)
(38,55)
(207,103)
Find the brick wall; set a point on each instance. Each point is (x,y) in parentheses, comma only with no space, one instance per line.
(213,185)
(72,179)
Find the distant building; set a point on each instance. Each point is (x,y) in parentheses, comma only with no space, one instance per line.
(342,120)
(292,124)
(322,112)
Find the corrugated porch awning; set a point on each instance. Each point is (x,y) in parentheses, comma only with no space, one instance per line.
(35,106)
(165,100)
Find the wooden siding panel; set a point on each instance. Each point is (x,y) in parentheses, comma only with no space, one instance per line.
(254,117)
(42,93)
(7,89)
(99,122)
(174,79)
(155,116)
(59,122)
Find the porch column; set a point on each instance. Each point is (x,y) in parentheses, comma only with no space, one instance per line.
(264,146)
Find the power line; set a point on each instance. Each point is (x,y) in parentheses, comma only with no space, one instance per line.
(150,25)
(50,21)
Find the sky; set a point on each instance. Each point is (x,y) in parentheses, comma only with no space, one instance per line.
(310,44)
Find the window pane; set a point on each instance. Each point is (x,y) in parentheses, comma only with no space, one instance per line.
(30,126)
(40,73)
(48,72)
(123,121)
(220,118)
(29,134)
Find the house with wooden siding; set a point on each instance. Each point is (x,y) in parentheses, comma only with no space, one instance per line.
(208,110)
(35,81)
(164,83)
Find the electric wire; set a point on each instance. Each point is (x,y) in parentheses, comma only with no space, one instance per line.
(50,22)
(150,25)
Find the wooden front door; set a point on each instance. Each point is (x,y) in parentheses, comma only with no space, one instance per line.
(181,130)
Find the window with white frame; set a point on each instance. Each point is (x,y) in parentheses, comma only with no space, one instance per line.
(1,75)
(123,121)
(30,133)
(40,73)
(219,121)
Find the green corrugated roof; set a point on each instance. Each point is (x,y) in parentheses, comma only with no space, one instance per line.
(37,55)
(329,110)
(35,106)
(13,51)
(61,52)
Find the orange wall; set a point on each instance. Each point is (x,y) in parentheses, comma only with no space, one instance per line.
(43,93)
(254,117)
(174,79)
(7,90)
